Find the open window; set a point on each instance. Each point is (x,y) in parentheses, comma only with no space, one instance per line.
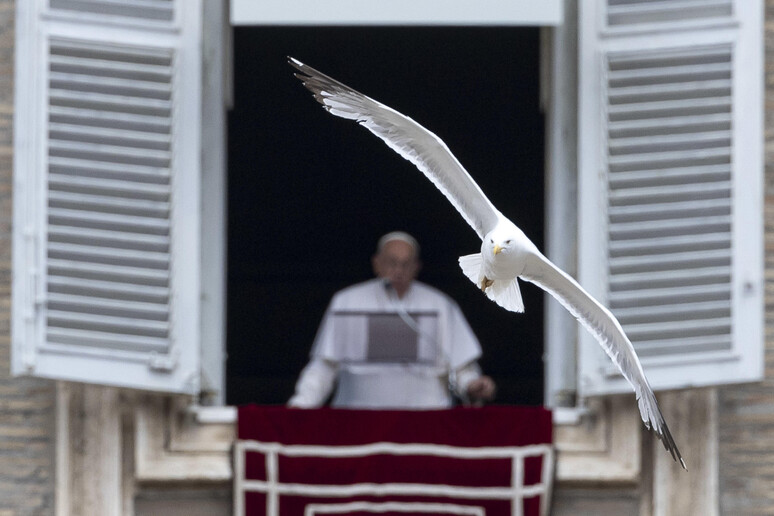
(309,194)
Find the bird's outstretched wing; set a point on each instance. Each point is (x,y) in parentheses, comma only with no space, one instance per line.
(409,139)
(606,328)
(428,152)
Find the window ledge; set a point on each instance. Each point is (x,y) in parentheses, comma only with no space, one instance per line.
(222,415)
(176,443)
(600,443)
(569,416)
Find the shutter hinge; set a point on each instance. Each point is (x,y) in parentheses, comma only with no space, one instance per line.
(36,285)
(30,316)
(34,302)
(163,363)
(192,382)
(28,359)
(37,290)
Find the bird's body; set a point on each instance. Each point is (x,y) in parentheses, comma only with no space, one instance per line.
(507,254)
(508,259)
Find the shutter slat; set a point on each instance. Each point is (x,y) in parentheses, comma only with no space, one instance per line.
(647,161)
(112,239)
(102,340)
(86,117)
(667,11)
(125,274)
(672,210)
(109,136)
(682,107)
(672,91)
(692,344)
(669,176)
(108,289)
(671,261)
(109,187)
(707,349)
(674,279)
(669,125)
(661,244)
(663,330)
(107,324)
(659,296)
(636,75)
(110,153)
(105,204)
(113,103)
(97,66)
(117,54)
(670,193)
(110,86)
(674,312)
(146,10)
(104,169)
(77,218)
(105,306)
(95,254)
(659,144)
(669,227)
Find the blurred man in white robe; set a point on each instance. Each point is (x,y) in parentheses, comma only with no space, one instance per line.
(393,342)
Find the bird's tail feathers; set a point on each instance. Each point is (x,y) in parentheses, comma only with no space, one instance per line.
(506,294)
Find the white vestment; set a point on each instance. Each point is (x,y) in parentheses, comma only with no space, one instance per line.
(389,352)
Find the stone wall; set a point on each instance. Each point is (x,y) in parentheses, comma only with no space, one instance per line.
(26,405)
(746,430)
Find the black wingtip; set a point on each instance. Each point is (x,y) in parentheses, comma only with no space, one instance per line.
(669,444)
(317,82)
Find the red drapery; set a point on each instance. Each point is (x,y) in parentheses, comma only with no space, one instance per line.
(407,461)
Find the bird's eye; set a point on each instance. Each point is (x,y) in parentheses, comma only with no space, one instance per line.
(491,240)
(507,241)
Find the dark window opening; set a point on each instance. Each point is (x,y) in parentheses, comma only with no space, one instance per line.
(309,193)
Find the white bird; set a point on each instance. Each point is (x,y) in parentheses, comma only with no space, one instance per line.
(506,252)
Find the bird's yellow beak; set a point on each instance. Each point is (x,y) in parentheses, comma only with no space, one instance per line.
(497,249)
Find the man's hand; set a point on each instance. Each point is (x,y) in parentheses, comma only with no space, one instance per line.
(481,389)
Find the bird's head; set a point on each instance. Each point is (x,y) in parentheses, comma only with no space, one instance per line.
(499,242)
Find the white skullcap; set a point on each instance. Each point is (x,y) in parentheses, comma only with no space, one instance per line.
(398,235)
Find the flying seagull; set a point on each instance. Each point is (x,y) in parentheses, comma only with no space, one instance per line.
(506,252)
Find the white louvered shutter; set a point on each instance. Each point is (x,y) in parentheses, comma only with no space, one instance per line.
(106,192)
(671,175)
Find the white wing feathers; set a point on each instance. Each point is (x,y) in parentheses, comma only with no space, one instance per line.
(471,267)
(409,139)
(605,327)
